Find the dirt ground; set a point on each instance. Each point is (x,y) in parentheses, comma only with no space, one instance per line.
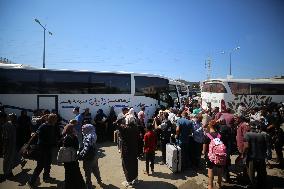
(112,174)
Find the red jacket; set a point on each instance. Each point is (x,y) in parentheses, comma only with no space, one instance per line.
(150,142)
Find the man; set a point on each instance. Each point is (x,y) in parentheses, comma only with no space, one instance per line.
(166,128)
(184,132)
(241,109)
(255,146)
(79,118)
(141,129)
(46,135)
(141,116)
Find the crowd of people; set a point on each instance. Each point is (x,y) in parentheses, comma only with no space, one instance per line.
(251,134)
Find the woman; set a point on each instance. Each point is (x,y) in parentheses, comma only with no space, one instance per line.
(89,155)
(73,176)
(211,165)
(129,148)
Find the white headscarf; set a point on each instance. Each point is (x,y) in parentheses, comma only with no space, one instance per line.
(130,117)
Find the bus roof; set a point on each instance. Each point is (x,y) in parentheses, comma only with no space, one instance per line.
(256,81)
(27,67)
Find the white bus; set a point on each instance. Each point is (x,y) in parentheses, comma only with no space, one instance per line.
(26,88)
(178,91)
(229,93)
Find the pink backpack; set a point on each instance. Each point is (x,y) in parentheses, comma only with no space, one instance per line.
(217,150)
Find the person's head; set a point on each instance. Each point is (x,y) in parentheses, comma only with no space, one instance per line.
(88,129)
(212,125)
(143,108)
(124,110)
(86,121)
(255,126)
(73,122)
(216,109)
(76,110)
(46,112)
(23,112)
(184,114)
(87,110)
(131,111)
(52,119)
(13,118)
(199,117)
(150,126)
(166,115)
(100,111)
(221,121)
(69,130)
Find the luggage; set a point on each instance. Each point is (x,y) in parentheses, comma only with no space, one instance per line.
(173,157)
(66,154)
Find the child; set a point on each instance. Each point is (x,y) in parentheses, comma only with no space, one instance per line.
(149,148)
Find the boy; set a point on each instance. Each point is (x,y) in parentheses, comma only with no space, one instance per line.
(149,148)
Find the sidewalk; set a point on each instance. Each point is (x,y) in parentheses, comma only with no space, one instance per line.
(112,174)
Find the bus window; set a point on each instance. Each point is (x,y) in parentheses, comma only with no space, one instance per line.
(239,88)
(63,82)
(218,88)
(150,86)
(106,83)
(214,88)
(206,87)
(267,89)
(19,81)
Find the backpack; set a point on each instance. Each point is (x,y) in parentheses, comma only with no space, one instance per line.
(217,150)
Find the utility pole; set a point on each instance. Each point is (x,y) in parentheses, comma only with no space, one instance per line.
(44,28)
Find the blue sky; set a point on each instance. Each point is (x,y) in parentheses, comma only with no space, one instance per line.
(167,37)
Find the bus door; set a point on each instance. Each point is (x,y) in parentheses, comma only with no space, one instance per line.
(49,102)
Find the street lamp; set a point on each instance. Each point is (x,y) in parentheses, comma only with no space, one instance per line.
(230,53)
(44,28)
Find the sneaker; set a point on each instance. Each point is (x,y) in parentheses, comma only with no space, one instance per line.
(125,184)
(135,181)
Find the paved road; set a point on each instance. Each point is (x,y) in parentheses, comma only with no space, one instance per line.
(112,175)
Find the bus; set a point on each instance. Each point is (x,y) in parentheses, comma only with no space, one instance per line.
(178,92)
(27,88)
(229,93)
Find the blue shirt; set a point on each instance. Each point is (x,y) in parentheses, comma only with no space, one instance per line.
(79,119)
(198,134)
(185,127)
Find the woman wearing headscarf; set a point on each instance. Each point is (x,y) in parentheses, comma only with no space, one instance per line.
(101,125)
(111,123)
(129,149)
(73,176)
(89,155)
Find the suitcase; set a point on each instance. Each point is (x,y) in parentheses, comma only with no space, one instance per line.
(173,157)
